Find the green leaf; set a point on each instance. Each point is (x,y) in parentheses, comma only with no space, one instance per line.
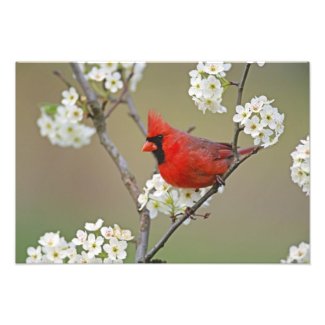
(224,83)
(98,87)
(103,255)
(50,109)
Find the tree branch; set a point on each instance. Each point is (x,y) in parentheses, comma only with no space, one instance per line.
(134,114)
(144,220)
(214,189)
(237,128)
(127,177)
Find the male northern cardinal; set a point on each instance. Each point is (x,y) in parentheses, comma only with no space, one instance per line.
(184,160)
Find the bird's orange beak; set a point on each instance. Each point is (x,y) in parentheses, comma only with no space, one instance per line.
(149,146)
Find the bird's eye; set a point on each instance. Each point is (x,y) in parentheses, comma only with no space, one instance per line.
(159,136)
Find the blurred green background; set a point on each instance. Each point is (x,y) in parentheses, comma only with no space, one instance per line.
(260,214)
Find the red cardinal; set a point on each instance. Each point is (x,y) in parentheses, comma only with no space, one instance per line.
(184,160)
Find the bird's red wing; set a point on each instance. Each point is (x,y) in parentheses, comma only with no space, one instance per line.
(209,157)
(210,150)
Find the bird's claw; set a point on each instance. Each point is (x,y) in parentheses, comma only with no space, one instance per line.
(188,211)
(220,181)
(193,215)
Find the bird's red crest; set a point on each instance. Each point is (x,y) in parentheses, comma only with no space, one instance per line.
(156,125)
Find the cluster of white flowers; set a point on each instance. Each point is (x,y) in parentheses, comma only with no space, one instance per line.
(95,244)
(113,74)
(260,120)
(62,124)
(300,169)
(300,254)
(161,197)
(207,86)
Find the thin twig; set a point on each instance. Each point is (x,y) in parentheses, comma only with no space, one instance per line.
(237,128)
(134,114)
(116,102)
(62,78)
(120,98)
(191,129)
(234,83)
(127,177)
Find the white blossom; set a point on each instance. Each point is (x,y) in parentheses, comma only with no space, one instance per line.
(243,113)
(93,245)
(109,67)
(50,239)
(196,87)
(113,82)
(298,254)
(211,86)
(122,234)
(153,206)
(107,232)
(217,68)
(260,120)
(212,104)
(116,249)
(70,97)
(47,125)
(81,237)
(94,226)
(300,169)
(199,70)
(253,126)
(137,75)
(257,103)
(97,74)
(269,116)
(54,254)
(143,198)
(34,255)
(71,253)
(61,116)
(74,114)
(206,86)
(188,197)
(108,260)
(84,258)
(263,137)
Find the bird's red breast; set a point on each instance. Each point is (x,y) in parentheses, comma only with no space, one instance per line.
(184,160)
